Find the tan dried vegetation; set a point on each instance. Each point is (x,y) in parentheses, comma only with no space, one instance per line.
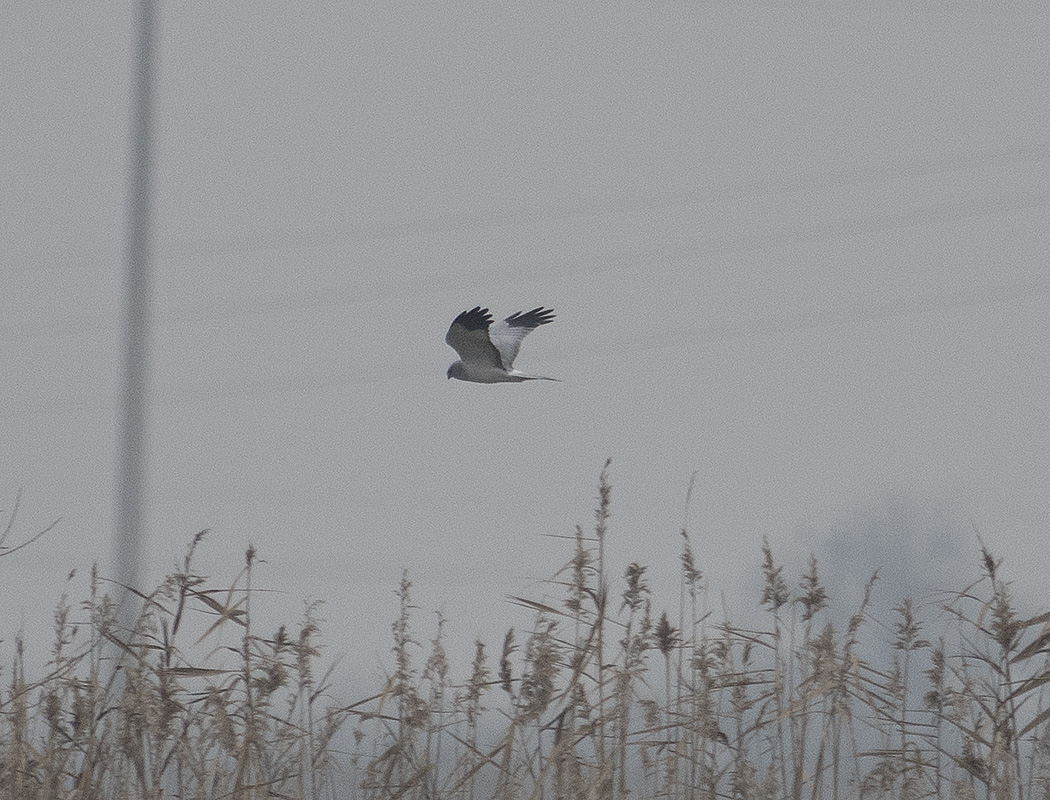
(602,699)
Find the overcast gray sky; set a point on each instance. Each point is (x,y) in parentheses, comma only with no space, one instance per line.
(799,248)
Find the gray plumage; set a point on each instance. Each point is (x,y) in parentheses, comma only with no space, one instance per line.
(487,350)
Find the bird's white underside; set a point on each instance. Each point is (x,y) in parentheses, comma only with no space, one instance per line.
(485,373)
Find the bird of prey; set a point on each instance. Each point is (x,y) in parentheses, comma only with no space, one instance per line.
(487,350)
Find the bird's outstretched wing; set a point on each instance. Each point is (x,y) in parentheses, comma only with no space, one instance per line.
(507,335)
(468,335)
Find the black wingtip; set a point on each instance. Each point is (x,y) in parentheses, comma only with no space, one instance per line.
(531,319)
(476,319)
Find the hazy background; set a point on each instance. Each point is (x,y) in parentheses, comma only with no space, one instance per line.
(799,248)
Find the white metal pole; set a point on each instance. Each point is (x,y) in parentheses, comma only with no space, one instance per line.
(131,477)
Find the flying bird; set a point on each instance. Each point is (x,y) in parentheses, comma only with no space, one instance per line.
(486,350)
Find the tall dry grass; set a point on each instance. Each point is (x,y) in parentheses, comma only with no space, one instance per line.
(606,695)
(179,718)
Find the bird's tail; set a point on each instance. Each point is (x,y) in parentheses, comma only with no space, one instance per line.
(539,378)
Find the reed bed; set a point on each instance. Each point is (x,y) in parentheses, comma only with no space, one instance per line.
(604,695)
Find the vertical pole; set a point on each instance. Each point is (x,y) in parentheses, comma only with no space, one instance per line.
(131,478)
